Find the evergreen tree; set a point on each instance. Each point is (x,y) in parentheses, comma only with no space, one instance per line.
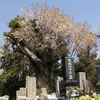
(87,63)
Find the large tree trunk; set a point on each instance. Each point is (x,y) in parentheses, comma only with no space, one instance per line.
(42,75)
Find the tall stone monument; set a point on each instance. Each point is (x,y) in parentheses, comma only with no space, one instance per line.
(31,87)
(81,78)
(70,72)
(69,76)
(87,89)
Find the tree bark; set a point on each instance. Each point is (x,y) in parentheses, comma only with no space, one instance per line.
(42,75)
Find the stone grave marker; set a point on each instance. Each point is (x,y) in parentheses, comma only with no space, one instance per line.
(6,97)
(70,70)
(58,86)
(17,94)
(23,91)
(43,93)
(21,94)
(31,87)
(69,77)
(87,89)
(82,80)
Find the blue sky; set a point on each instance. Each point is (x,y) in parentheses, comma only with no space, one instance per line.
(82,10)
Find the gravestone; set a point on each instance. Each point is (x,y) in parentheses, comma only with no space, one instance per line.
(87,89)
(57,86)
(43,93)
(98,79)
(6,97)
(17,94)
(23,91)
(69,78)
(81,80)
(31,87)
(70,70)
(21,94)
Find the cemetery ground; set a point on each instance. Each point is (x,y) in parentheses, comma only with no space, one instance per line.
(29,92)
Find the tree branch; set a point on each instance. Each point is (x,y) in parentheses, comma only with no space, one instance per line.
(33,58)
